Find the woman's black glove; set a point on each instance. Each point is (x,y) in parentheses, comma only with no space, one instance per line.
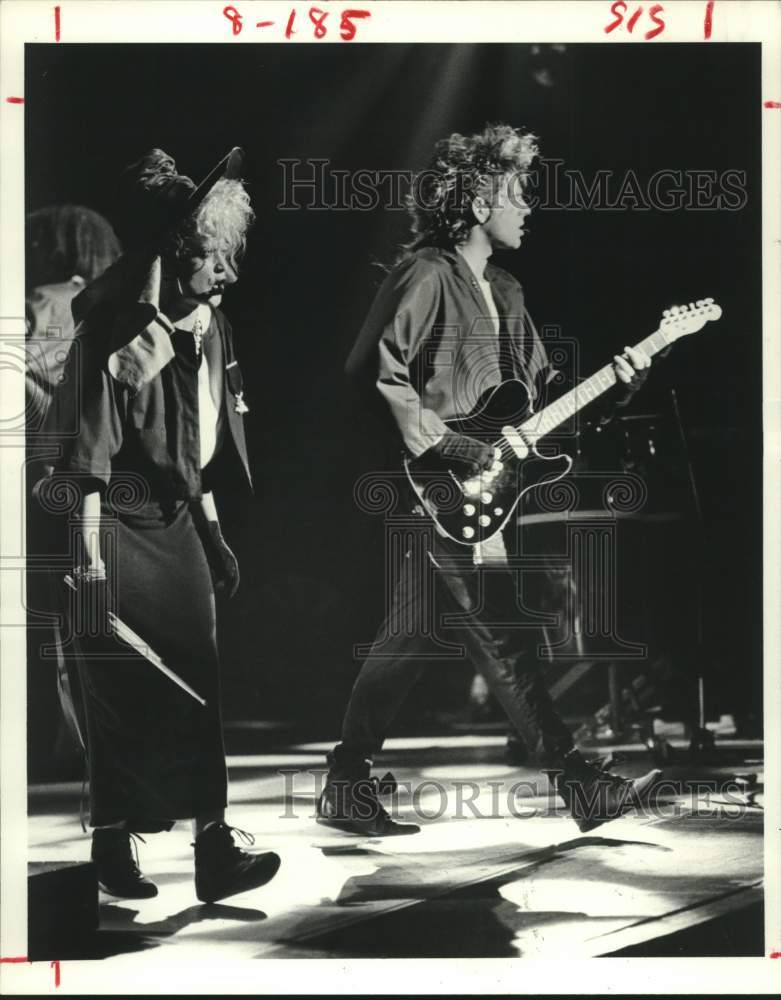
(222,562)
(472,455)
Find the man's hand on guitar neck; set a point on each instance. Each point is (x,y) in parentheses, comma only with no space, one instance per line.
(631,368)
(470,454)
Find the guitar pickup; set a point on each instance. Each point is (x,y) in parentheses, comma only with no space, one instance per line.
(516,442)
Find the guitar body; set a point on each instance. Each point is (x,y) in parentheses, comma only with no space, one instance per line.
(470,511)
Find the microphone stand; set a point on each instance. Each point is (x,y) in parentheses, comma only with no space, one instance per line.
(702,740)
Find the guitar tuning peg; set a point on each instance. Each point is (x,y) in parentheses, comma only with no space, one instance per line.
(700,303)
(674,311)
(708,302)
(691,306)
(666,314)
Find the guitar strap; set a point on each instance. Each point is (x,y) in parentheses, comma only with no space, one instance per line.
(507,362)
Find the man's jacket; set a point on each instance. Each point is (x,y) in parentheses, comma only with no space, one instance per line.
(430,348)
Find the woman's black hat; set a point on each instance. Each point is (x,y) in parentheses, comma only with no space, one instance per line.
(153,198)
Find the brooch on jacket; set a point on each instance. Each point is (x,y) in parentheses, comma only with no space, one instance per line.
(236,386)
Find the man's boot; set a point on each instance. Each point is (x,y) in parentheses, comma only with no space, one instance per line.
(115,857)
(350,801)
(593,795)
(223,869)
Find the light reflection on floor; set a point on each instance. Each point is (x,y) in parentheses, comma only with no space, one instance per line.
(498,884)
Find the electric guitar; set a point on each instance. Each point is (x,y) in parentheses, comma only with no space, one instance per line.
(470,511)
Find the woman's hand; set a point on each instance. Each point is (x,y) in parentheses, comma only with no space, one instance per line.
(222,562)
(93,600)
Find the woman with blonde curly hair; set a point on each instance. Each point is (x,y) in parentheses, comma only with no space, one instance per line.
(161,424)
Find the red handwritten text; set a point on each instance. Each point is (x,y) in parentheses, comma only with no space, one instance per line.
(17,960)
(289,30)
(235,18)
(619,9)
(346,27)
(317,17)
(708,27)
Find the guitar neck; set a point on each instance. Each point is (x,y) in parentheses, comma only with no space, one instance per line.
(550,417)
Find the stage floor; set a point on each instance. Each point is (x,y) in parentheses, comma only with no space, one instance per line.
(497,869)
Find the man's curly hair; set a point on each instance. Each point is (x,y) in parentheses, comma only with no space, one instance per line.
(463,167)
(220,223)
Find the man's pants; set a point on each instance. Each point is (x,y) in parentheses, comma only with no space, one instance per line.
(483,600)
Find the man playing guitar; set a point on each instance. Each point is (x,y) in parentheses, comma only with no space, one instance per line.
(445,327)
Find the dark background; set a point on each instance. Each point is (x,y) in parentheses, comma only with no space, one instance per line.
(311,561)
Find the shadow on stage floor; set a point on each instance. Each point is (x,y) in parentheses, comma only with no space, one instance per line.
(498,869)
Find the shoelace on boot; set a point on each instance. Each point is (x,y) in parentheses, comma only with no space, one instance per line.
(243,835)
(376,787)
(609,761)
(386,785)
(604,765)
(134,837)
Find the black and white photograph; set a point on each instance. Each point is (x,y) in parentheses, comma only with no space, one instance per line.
(389,567)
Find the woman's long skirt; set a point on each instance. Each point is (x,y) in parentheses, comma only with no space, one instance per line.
(155,754)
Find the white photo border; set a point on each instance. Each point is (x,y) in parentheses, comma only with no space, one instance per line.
(473,21)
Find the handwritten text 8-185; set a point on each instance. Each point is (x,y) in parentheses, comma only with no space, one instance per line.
(318,19)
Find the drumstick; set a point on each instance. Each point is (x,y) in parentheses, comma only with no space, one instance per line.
(127,635)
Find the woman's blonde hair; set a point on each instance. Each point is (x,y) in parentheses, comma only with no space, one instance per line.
(219,224)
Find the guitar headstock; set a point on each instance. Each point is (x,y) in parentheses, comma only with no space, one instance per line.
(679,321)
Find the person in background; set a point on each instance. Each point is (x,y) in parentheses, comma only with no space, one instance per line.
(66,247)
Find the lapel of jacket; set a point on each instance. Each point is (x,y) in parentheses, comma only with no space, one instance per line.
(233,386)
(464,273)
